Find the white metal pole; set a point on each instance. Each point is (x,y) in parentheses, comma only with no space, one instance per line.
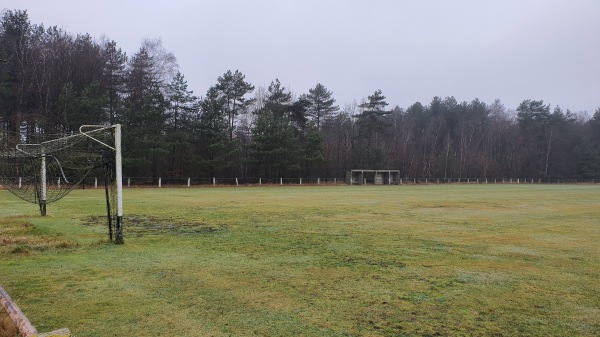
(43,184)
(119,179)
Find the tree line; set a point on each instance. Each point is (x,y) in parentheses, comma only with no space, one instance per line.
(55,82)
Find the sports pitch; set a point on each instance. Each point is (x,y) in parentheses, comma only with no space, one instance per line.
(437,260)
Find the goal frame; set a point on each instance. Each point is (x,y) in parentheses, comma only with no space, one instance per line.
(118,170)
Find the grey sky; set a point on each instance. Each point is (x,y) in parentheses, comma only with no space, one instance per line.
(411,50)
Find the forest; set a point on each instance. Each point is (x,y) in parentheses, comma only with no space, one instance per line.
(55,81)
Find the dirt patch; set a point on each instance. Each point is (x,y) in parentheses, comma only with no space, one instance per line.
(140,226)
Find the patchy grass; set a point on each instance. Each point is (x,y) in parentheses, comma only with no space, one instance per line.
(18,236)
(488,260)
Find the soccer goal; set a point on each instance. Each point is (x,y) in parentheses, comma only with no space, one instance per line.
(42,168)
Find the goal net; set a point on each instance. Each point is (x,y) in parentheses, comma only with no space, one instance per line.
(43,168)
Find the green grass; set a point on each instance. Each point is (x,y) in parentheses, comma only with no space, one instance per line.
(481,260)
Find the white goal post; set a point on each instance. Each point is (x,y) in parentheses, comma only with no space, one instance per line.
(91,129)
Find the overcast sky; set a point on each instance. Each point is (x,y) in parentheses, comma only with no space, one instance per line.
(412,50)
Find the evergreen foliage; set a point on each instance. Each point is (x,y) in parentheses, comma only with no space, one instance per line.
(320,104)
(56,82)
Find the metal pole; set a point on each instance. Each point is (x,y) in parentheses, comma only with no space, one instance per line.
(43,186)
(119,179)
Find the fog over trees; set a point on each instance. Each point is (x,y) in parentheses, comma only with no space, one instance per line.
(56,81)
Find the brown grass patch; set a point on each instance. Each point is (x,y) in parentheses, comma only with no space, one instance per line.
(18,236)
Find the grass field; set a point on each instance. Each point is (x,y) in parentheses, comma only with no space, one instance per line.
(480,260)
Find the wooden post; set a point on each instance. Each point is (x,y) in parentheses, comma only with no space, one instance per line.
(237,182)
(128,182)
(300,181)
(214,181)
(95,182)
(280,181)
(318,181)
(24,327)
(189,182)
(259,181)
(159,182)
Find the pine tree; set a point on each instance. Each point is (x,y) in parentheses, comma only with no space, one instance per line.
(371,125)
(183,105)
(234,87)
(144,118)
(115,61)
(15,49)
(321,104)
(275,149)
(215,147)
(278,100)
(182,108)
